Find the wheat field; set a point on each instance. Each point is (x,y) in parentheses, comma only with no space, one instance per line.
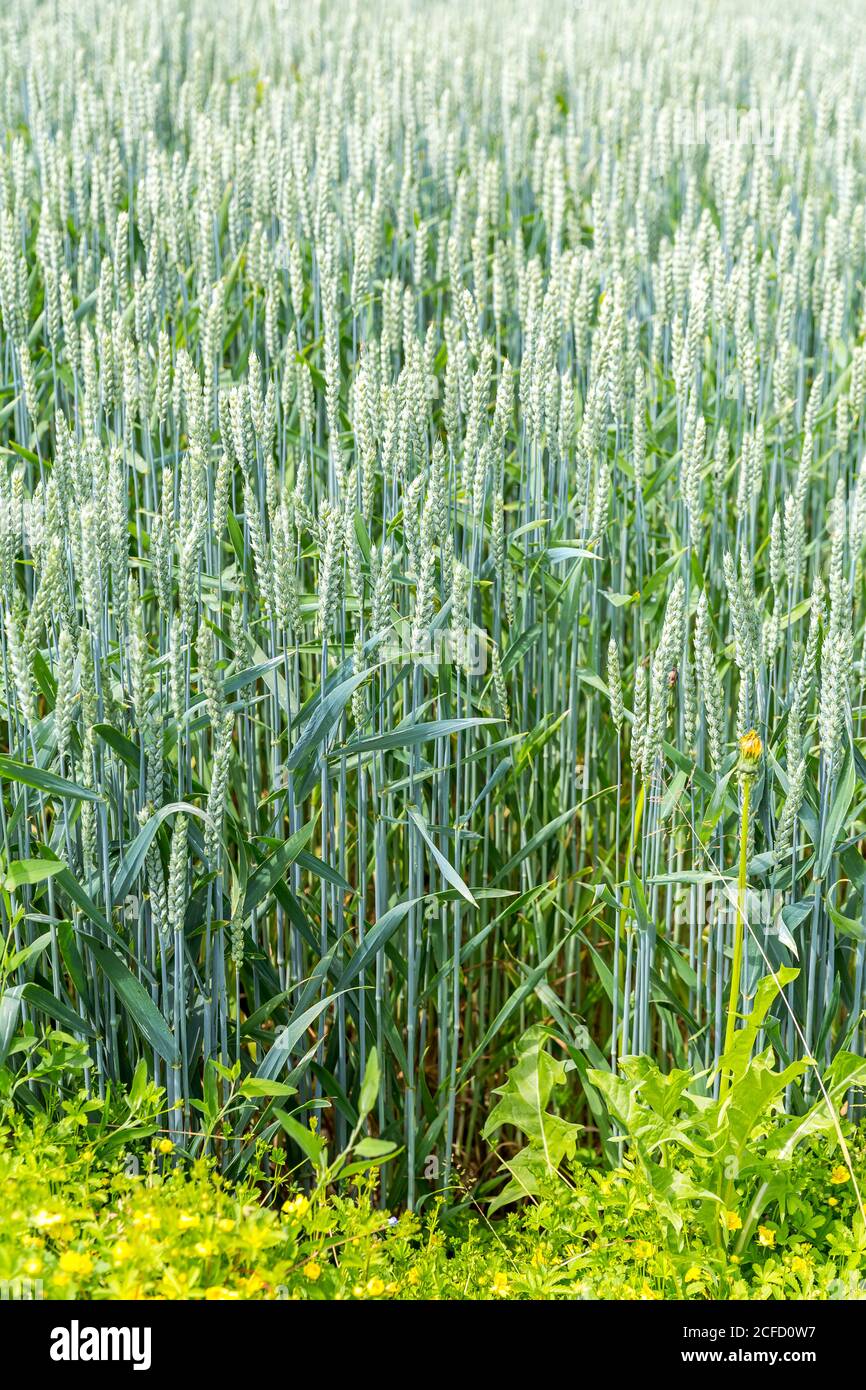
(432,521)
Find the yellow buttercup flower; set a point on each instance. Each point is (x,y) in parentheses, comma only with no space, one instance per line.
(312,1270)
(146,1218)
(225,1224)
(165,1146)
(74,1263)
(766,1237)
(413,1276)
(840,1174)
(732,1221)
(217,1294)
(375,1287)
(694,1273)
(499,1284)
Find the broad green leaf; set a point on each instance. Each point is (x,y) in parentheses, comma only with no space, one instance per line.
(137,1001)
(275,867)
(30,871)
(835,817)
(310,1144)
(47,782)
(46,1002)
(136,853)
(534,842)
(281,1049)
(260,1086)
(370,1084)
(376,939)
(376,1150)
(449,873)
(736,1059)
(322,720)
(10,1008)
(409,735)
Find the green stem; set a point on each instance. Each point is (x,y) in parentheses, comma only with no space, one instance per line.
(739,934)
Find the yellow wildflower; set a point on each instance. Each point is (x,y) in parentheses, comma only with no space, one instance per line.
(312,1270)
(499,1284)
(643,1249)
(165,1146)
(375,1287)
(46,1218)
(840,1174)
(74,1263)
(732,1221)
(145,1218)
(766,1237)
(695,1272)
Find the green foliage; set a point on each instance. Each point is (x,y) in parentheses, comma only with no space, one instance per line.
(92,1206)
(523,1106)
(741,1141)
